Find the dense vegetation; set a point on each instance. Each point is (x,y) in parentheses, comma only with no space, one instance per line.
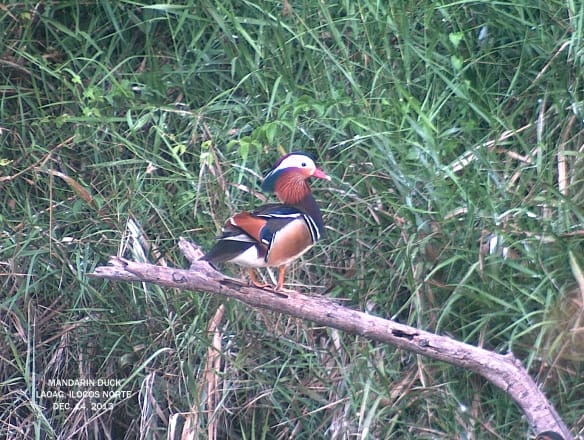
(453,132)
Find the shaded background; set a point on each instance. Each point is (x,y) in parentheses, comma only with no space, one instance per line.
(454,133)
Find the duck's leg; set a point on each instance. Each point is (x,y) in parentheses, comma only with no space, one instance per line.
(281,274)
(255,281)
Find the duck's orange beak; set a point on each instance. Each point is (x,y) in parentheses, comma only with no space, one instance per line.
(320,174)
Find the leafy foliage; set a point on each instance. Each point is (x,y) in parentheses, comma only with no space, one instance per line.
(454,133)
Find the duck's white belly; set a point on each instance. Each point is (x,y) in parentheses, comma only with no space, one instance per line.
(249,258)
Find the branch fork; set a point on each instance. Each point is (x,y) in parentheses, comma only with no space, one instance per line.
(503,370)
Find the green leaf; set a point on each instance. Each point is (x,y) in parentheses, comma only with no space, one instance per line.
(456,62)
(455,38)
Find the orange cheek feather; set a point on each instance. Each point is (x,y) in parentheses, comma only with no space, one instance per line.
(291,188)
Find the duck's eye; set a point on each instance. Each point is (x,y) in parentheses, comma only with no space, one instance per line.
(303,164)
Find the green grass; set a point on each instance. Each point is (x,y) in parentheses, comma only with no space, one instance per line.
(454,133)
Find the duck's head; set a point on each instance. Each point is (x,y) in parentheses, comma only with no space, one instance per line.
(288,177)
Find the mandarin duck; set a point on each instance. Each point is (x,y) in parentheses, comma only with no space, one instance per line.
(275,234)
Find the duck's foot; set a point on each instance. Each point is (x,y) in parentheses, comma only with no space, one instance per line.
(277,289)
(281,292)
(255,282)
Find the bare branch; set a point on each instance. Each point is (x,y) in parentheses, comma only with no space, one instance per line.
(504,371)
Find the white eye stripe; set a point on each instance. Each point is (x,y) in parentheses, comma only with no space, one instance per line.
(296,161)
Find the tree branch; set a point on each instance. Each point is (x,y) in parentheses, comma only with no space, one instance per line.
(504,371)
